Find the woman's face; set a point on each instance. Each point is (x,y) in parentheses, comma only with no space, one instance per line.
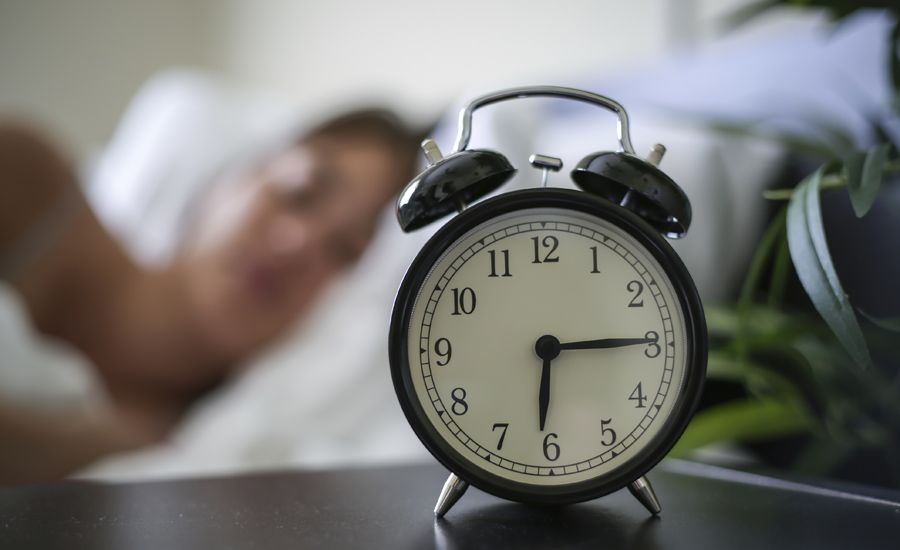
(265,247)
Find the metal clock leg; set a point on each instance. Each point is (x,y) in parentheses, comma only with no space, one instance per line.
(454,488)
(643,491)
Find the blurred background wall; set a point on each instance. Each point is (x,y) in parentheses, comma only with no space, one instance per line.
(75,64)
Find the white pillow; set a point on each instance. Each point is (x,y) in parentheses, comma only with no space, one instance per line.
(181,131)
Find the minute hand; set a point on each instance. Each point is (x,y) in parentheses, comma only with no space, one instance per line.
(604,343)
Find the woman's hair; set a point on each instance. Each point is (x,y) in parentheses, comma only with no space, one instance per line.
(378,124)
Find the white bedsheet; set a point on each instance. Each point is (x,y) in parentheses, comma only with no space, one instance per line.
(40,373)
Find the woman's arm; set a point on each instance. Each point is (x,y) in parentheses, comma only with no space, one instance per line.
(79,286)
(39,446)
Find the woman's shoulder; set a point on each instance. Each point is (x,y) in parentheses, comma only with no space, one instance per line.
(38,189)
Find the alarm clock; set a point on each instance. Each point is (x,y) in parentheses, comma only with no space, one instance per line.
(547,345)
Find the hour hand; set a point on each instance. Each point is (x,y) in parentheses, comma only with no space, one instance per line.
(604,343)
(544,393)
(547,348)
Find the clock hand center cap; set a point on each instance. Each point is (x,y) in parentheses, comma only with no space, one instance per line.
(547,347)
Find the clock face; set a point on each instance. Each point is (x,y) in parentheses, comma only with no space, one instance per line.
(549,348)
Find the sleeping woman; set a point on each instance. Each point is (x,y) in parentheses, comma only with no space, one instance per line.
(260,249)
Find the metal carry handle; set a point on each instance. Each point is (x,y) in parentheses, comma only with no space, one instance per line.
(465,114)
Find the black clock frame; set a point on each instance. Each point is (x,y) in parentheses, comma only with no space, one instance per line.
(688,394)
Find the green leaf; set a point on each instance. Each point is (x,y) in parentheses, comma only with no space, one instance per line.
(721,321)
(812,262)
(864,177)
(821,456)
(780,273)
(841,9)
(892,325)
(851,391)
(760,258)
(836,9)
(763,328)
(853,169)
(832,181)
(743,420)
(745,14)
(880,131)
(838,137)
(760,379)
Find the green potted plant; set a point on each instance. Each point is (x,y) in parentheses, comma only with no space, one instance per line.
(818,376)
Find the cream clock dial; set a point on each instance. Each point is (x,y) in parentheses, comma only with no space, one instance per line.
(482,310)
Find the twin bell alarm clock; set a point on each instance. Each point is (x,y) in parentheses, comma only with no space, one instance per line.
(547,345)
